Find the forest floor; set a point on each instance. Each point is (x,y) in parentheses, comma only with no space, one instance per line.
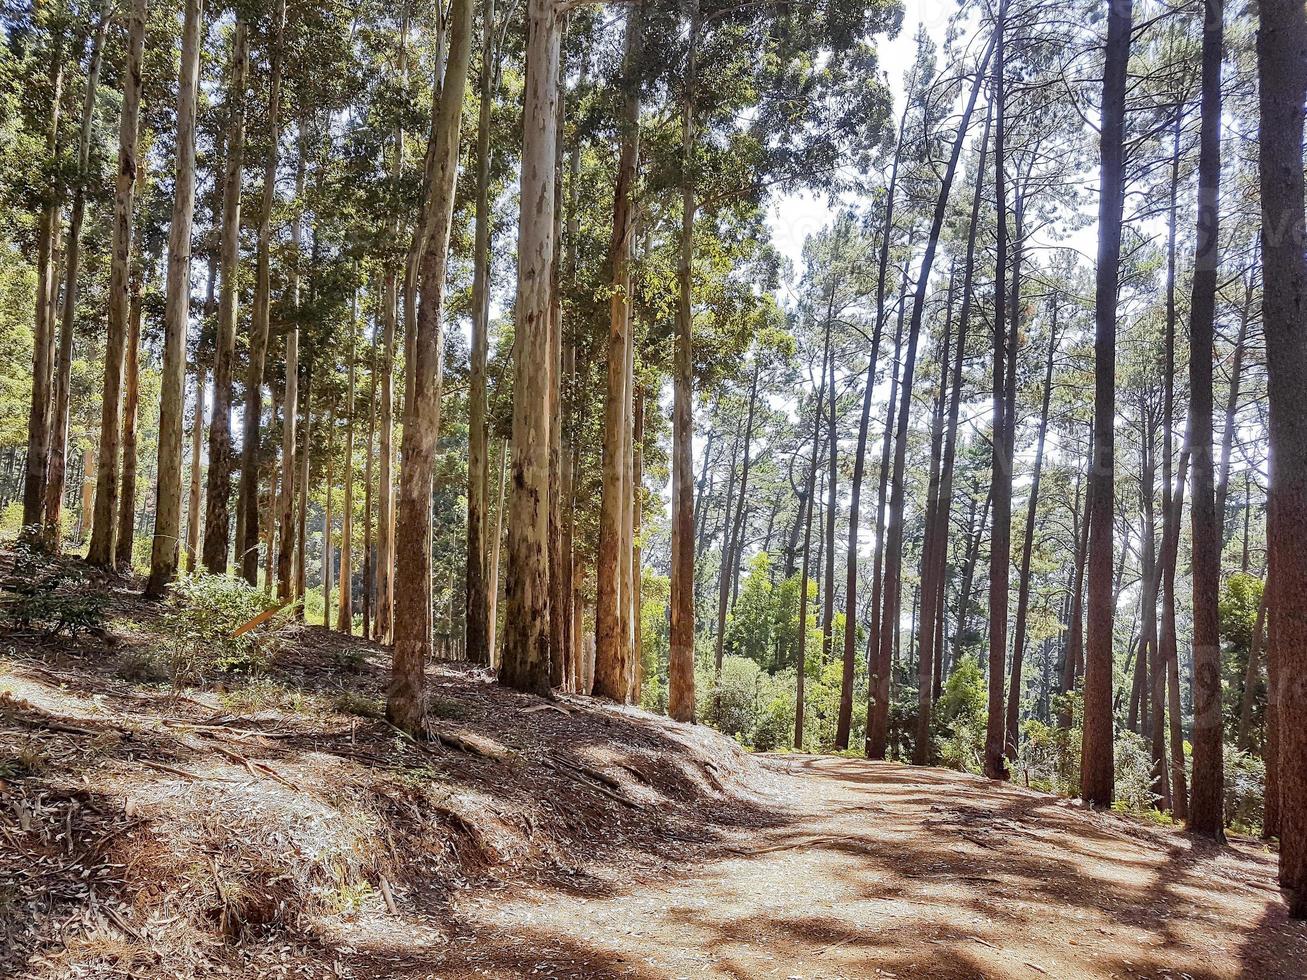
(276,827)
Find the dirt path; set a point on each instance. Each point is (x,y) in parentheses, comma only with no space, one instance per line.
(881,870)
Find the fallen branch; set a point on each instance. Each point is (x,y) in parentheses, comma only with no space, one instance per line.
(182,773)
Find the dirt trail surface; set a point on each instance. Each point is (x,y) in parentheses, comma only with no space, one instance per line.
(882,870)
(275,826)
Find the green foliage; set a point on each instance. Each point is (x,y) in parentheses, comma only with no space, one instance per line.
(1239,603)
(49,598)
(1245,790)
(747,703)
(198,626)
(1133,773)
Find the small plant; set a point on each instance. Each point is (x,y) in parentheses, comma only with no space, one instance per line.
(207,628)
(48,598)
(262,693)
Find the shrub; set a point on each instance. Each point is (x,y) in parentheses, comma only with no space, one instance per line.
(200,622)
(1049,758)
(49,598)
(960,718)
(1245,790)
(1134,772)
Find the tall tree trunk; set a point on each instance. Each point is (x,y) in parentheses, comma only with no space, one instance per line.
(1282,64)
(126,517)
(345,600)
(412,613)
(878,683)
(610,650)
(194,491)
(680,668)
(558,598)
(801,645)
(369,572)
(251,415)
(56,473)
(218,491)
(1207,793)
(104,527)
(328,564)
(1096,771)
(492,572)
(931,614)
(478,601)
(890,590)
(731,542)
(526,634)
(301,575)
(1232,403)
(1028,547)
(290,410)
(177,313)
(47,287)
(1001,461)
(934,553)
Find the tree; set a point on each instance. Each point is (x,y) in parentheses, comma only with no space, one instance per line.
(1208,791)
(526,635)
(168,501)
(104,524)
(405,707)
(1096,776)
(1282,68)
(218,490)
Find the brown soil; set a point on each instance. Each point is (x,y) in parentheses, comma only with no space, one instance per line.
(264,829)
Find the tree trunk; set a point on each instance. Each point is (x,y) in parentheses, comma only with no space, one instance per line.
(890,590)
(801,646)
(126,517)
(405,705)
(731,535)
(345,594)
(47,288)
(218,491)
(680,657)
(104,527)
(931,614)
(492,574)
(1096,772)
(172,383)
(610,650)
(934,553)
(290,409)
(1028,547)
(301,574)
(478,603)
(526,634)
(1208,790)
(1001,461)
(251,414)
(369,572)
(328,565)
(56,474)
(1282,65)
(194,492)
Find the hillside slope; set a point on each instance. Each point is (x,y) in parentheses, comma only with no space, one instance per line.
(276,826)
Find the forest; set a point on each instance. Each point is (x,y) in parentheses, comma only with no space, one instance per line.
(733,417)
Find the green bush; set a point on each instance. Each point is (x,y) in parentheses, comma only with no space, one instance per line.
(1133,772)
(1245,790)
(199,623)
(49,598)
